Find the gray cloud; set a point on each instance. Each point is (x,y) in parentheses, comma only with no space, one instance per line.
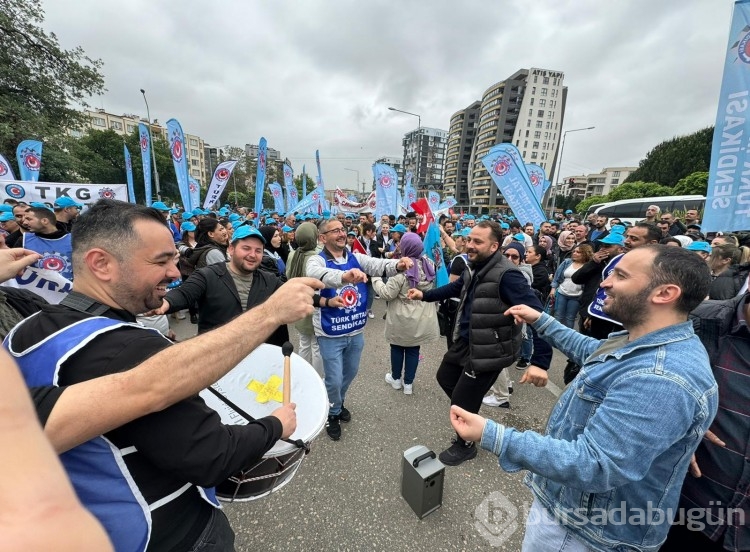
(320,75)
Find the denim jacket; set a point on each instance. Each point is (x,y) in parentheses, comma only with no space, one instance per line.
(619,440)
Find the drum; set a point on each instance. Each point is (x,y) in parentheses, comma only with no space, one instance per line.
(255,387)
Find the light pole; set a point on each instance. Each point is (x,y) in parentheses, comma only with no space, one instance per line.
(419,140)
(153,154)
(559,167)
(357,186)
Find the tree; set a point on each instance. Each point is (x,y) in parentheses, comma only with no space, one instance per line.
(40,81)
(675,159)
(632,190)
(170,192)
(696,183)
(586,204)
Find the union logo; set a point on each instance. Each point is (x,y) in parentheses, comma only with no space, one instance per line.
(144,141)
(222,174)
(743,48)
(193,187)
(3,169)
(385,181)
(177,149)
(351,298)
(437,255)
(536,179)
(107,193)
(502,165)
(54,261)
(15,191)
(31,160)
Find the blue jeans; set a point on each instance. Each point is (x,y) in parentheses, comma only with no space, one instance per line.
(400,354)
(341,362)
(566,309)
(544,534)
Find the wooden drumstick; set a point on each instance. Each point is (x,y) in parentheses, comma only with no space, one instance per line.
(287,349)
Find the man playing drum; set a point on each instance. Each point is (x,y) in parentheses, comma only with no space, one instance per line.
(149,482)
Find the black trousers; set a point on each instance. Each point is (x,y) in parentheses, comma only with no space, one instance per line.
(680,538)
(464,390)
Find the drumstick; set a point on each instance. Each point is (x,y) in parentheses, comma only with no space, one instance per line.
(287,349)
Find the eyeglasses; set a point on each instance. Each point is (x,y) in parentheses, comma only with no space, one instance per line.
(339,230)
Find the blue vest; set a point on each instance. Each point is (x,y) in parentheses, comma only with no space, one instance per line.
(337,322)
(596,308)
(96,468)
(56,254)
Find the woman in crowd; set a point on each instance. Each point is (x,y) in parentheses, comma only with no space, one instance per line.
(409,324)
(211,240)
(272,260)
(728,276)
(565,293)
(565,244)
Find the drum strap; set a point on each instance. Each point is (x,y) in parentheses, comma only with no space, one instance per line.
(299,443)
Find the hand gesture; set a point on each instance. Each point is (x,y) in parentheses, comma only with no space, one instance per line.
(293,301)
(535,376)
(523,313)
(354,276)
(14,261)
(601,255)
(288,418)
(335,302)
(414,294)
(161,310)
(469,426)
(405,263)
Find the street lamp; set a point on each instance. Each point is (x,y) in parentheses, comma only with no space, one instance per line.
(153,154)
(419,140)
(559,167)
(357,186)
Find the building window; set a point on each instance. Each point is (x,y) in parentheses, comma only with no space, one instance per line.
(539,124)
(542,103)
(540,113)
(550,114)
(195,172)
(533,155)
(531,101)
(535,145)
(98,121)
(524,154)
(130,128)
(528,122)
(616,173)
(615,181)
(545,80)
(527,134)
(544,91)
(193,153)
(535,78)
(115,125)
(195,162)
(533,88)
(193,142)
(525,143)
(531,112)
(537,134)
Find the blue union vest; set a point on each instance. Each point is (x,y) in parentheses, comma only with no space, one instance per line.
(56,254)
(336,322)
(596,308)
(96,468)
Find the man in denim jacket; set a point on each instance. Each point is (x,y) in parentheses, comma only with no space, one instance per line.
(608,472)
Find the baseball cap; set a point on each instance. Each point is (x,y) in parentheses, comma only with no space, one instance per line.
(613,238)
(518,237)
(286,228)
(270,221)
(67,202)
(399,228)
(504,225)
(234,216)
(699,246)
(160,206)
(5,217)
(4,208)
(247,232)
(187,227)
(569,212)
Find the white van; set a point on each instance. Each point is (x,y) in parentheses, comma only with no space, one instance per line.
(633,210)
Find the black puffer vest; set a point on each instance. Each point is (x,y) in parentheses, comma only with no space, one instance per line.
(494,339)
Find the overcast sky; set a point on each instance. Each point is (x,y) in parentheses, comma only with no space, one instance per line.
(313,75)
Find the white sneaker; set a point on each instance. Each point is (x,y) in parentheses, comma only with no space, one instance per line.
(180,315)
(370,314)
(492,400)
(408,388)
(396,384)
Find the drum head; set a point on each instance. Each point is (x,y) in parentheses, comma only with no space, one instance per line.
(258,377)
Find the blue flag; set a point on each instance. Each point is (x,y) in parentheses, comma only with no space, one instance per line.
(321,187)
(508,172)
(386,190)
(728,194)
(433,198)
(145,141)
(179,160)
(218,183)
(29,157)
(278,197)
(410,194)
(291,189)
(260,178)
(195,192)
(538,177)
(129,174)
(304,182)
(434,251)
(6,173)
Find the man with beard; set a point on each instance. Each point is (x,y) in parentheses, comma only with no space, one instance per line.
(51,242)
(598,231)
(619,441)
(66,212)
(223,291)
(485,340)
(148,481)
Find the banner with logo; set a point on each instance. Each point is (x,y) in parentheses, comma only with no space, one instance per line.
(260,176)
(291,189)
(48,192)
(195,192)
(145,142)
(410,194)
(434,251)
(218,183)
(321,187)
(129,174)
(304,182)
(6,172)
(29,157)
(508,172)
(728,195)
(278,197)
(386,190)
(179,160)
(538,177)
(433,198)
(47,284)
(307,204)
(342,202)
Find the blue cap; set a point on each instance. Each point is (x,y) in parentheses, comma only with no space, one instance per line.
(67,202)
(187,227)
(464,232)
(287,229)
(699,246)
(504,225)
(234,216)
(246,231)
(613,238)
(352,234)
(5,208)
(160,206)
(399,228)
(40,205)
(568,212)
(468,217)
(6,216)
(519,237)
(326,214)
(237,223)
(617,229)
(270,221)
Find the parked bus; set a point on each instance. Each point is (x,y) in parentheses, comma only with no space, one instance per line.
(633,210)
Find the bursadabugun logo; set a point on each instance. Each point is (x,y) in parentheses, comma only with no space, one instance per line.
(497,518)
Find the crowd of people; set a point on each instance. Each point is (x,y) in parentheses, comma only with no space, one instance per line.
(651,317)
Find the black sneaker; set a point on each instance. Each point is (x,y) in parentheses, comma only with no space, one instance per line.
(193,318)
(345,416)
(458,453)
(522,363)
(333,427)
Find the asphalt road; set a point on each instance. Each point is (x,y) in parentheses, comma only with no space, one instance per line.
(346,495)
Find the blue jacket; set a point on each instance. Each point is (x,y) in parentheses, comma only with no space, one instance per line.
(620,438)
